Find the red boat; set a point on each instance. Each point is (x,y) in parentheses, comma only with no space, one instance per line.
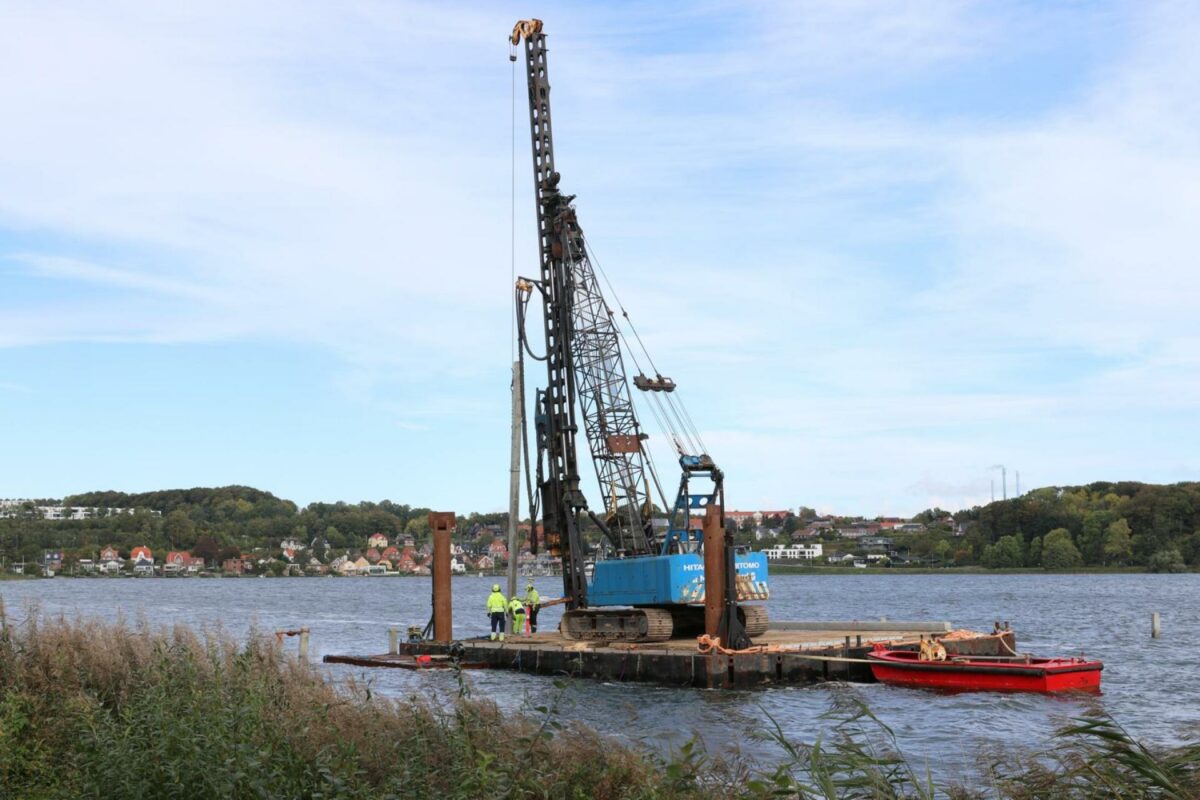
(984,673)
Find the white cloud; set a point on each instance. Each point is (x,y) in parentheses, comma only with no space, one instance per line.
(858,298)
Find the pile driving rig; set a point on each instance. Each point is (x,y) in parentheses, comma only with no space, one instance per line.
(651,585)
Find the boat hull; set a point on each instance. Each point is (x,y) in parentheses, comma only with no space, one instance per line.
(974,675)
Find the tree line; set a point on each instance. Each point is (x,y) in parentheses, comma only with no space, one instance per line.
(1102,524)
(216,523)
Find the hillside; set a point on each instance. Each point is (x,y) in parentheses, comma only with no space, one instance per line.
(1121,524)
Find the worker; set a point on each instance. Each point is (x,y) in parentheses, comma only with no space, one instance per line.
(516,607)
(533,601)
(497,606)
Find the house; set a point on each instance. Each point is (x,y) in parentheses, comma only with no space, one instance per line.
(87,565)
(177,561)
(795,552)
(52,560)
(741,516)
(143,560)
(109,554)
(372,555)
(405,562)
(457,567)
(315,567)
(390,554)
(234,566)
(361,566)
(485,562)
(344,566)
(195,564)
(378,569)
(497,549)
(293,544)
(377,540)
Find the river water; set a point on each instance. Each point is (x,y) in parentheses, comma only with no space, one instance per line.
(1149,684)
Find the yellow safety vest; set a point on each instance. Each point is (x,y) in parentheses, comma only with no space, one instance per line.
(496,602)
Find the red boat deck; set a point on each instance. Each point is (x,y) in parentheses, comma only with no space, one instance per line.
(987,674)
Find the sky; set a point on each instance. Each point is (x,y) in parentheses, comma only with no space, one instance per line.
(882,247)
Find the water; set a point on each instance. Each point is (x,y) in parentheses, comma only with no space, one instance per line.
(1148,683)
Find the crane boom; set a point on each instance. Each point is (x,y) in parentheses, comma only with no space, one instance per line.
(583,362)
(653,584)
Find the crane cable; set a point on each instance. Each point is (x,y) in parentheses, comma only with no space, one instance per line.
(684,420)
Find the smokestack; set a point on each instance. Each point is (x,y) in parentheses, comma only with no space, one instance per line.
(1003,482)
(1018,483)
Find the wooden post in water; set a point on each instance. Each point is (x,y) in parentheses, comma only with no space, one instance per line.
(304,644)
(1155,625)
(442,524)
(393,641)
(714,570)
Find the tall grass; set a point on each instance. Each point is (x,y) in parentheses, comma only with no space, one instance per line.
(94,710)
(125,711)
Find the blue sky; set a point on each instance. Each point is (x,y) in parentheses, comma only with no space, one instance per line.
(881,246)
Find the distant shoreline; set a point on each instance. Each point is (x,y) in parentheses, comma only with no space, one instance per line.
(791,569)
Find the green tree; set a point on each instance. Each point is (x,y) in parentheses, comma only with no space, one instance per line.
(1118,544)
(1093,535)
(1006,553)
(418,528)
(1167,560)
(179,530)
(1059,552)
(941,550)
(1035,552)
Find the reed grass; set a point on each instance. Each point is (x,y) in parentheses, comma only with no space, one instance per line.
(93,710)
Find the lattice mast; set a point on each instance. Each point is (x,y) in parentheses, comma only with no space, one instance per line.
(583,363)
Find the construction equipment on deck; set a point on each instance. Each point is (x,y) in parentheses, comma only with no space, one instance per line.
(651,586)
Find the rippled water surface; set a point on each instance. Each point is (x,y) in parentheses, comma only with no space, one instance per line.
(1149,684)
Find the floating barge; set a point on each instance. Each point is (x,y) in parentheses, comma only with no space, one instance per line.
(789,653)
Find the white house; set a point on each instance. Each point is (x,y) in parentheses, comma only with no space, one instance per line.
(794,552)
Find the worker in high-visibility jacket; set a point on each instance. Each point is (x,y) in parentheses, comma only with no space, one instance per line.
(533,601)
(497,606)
(516,607)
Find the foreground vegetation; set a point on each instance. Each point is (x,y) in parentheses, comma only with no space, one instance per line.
(90,710)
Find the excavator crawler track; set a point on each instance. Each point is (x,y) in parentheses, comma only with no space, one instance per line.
(616,625)
(754,620)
